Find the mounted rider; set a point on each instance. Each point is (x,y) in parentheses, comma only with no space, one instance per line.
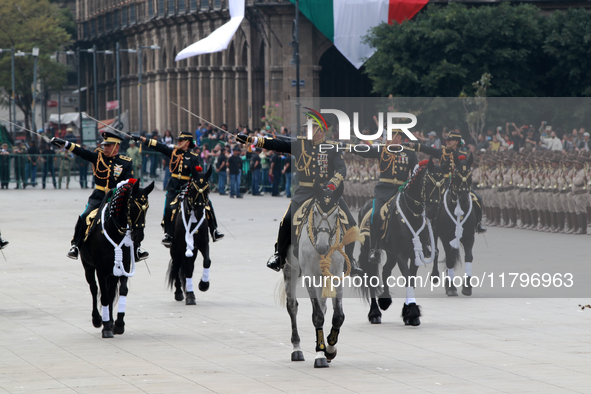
(396,164)
(313,165)
(3,243)
(109,168)
(446,154)
(182,160)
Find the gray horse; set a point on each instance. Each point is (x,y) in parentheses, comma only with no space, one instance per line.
(319,228)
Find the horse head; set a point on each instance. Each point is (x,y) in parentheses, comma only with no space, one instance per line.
(461,182)
(198,191)
(137,209)
(325,215)
(433,188)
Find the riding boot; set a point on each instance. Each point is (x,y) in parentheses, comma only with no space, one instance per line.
(3,243)
(480,228)
(140,253)
(575,221)
(582,223)
(277,261)
(167,223)
(78,234)
(355,270)
(212,222)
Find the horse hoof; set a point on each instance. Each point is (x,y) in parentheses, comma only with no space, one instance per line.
(119,330)
(97,320)
(451,291)
(178,295)
(435,279)
(410,314)
(413,322)
(297,355)
(190,299)
(108,334)
(320,363)
(467,291)
(375,320)
(330,356)
(203,286)
(384,303)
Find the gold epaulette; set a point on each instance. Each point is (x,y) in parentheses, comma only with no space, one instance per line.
(152,142)
(408,148)
(125,157)
(301,137)
(194,154)
(72,146)
(332,142)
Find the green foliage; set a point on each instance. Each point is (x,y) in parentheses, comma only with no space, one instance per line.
(443,50)
(25,24)
(271,119)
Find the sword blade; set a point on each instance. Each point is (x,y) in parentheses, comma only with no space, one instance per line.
(30,131)
(111,127)
(199,117)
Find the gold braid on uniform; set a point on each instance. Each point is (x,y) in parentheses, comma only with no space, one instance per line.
(175,161)
(306,158)
(96,169)
(389,158)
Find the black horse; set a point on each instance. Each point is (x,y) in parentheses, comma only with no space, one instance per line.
(456,223)
(412,207)
(190,232)
(108,250)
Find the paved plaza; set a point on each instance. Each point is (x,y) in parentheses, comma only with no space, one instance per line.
(237,338)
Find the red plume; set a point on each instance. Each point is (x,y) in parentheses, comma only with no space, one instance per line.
(132,180)
(199,168)
(462,157)
(423,163)
(331,187)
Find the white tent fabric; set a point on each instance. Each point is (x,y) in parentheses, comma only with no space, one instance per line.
(67,118)
(220,38)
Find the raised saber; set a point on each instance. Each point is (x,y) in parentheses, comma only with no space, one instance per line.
(46,138)
(106,125)
(199,117)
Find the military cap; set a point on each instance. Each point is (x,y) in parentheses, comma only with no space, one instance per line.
(110,138)
(185,136)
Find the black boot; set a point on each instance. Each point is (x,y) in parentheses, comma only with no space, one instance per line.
(355,270)
(167,240)
(141,254)
(3,243)
(276,262)
(73,252)
(216,235)
(78,234)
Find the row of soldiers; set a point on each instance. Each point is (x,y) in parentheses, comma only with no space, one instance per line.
(543,191)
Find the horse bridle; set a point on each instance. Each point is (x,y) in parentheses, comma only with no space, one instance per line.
(438,185)
(200,191)
(324,218)
(142,205)
(465,183)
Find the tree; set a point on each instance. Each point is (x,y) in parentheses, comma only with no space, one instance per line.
(568,43)
(476,106)
(444,49)
(25,24)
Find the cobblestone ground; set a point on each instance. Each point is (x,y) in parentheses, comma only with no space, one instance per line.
(236,339)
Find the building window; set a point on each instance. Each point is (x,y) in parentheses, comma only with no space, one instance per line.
(182,8)
(124,17)
(85,31)
(217,4)
(132,14)
(92,28)
(116,22)
(108,21)
(100,24)
(160,7)
(204,5)
(171,7)
(150,8)
(193,5)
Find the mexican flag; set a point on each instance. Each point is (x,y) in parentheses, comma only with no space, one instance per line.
(345,22)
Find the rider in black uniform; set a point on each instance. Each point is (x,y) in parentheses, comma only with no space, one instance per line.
(396,166)
(181,162)
(109,168)
(326,167)
(453,144)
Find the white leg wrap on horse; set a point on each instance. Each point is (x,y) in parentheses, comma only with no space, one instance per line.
(468,269)
(205,276)
(189,284)
(106,316)
(121,304)
(410,295)
(450,273)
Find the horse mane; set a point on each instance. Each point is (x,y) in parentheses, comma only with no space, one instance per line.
(119,198)
(421,169)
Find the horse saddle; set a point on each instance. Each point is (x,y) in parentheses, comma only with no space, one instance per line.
(91,222)
(383,216)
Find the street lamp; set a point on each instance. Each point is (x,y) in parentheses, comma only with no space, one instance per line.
(13,112)
(59,97)
(118,49)
(95,87)
(154,47)
(35,54)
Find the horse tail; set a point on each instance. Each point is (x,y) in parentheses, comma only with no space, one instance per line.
(280,294)
(175,273)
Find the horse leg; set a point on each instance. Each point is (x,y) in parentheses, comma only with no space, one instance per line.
(107,292)
(374,315)
(411,312)
(451,255)
(119,327)
(435,269)
(204,282)
(385,299)
(468,244)
(338,318)
(292,310)
(89,272)
(189,264)
(318,321)
(178,293)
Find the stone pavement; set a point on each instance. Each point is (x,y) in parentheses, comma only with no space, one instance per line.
(236,340)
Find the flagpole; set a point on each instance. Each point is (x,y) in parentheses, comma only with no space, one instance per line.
(297,53)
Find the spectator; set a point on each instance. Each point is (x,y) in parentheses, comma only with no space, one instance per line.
(65,167)
(585,144)
(518,137)
(482,143)
(275,173)
(434,141)
(235,165)
(255,168)
(167,138)
(31,167)
(495,145)
(166,166)
(154,156)
(198,134)
(220,168)
(5,166)
(568,144)
(551,143)
(48,158)
(133,152)
(531,141)
(287,172)
(82,170)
